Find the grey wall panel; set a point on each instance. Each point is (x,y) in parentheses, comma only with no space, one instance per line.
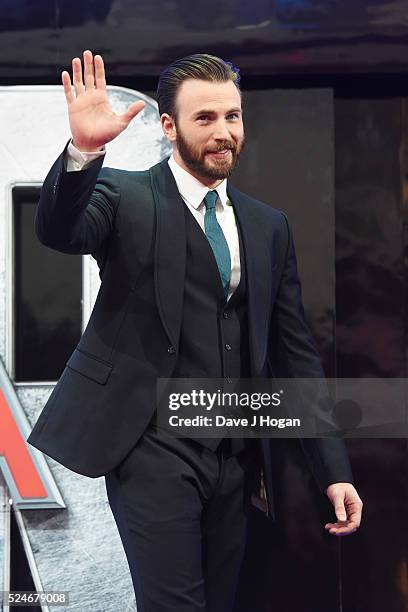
(288,161)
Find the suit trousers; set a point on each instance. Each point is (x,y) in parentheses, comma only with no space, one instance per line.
(182,512)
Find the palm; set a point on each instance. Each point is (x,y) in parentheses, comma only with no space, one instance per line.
(92,120)
(92,115)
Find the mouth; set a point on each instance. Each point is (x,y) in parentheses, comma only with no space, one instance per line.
(220,154)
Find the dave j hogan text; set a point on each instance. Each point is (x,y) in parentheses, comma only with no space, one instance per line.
(257,420)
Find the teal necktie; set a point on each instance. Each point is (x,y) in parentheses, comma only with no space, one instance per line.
(217,240)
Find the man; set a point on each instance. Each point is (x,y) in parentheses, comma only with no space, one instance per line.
(198,281)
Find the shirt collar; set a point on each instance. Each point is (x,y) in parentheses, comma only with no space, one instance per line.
(191,189)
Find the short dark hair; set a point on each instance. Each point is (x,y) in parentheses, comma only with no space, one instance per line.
(197,66)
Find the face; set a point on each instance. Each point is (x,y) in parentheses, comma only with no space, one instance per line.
(208,133)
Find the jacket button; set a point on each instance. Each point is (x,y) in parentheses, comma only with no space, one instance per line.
(227,347)
(225,315)
(171,350)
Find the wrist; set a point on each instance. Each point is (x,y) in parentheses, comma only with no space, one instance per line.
(83,148)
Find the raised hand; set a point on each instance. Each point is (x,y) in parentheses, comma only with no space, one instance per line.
(91,118)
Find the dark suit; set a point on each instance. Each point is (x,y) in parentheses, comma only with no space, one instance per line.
(133,223)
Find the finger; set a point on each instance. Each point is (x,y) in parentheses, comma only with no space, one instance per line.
(133,110)
(77,76)
(354,506)
(347,527)
(342,530)
(355,517)
(100,82)
(66,81)
(340,512)
(339,508)
(341,524)
(88,70)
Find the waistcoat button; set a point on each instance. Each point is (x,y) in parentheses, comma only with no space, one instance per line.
(171,350)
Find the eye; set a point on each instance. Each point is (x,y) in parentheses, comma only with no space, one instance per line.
(202,118)
(234,115)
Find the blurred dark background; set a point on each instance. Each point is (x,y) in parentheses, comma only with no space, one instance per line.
(262,36)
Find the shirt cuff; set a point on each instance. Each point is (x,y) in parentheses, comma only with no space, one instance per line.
(79,160)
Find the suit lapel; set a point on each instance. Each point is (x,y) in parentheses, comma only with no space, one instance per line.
(258,268)
(170,249)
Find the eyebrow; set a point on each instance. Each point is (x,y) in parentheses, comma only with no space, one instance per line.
(213,112)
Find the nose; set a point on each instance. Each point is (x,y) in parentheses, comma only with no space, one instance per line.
(221,131)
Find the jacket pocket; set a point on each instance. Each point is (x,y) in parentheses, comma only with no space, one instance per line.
(90,366)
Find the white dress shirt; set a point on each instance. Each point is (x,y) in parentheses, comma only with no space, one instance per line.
(193,193)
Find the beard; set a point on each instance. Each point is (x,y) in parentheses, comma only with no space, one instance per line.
(206,166)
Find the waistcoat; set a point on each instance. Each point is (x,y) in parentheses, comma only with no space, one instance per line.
(214,332)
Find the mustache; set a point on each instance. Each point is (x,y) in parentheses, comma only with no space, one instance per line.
(227,145)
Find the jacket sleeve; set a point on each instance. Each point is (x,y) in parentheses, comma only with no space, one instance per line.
(76,210)
(294,355)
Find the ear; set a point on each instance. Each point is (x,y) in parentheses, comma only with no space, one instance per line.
(168,126)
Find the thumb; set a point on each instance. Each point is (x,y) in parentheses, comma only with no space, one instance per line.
(340,510)
(133,110)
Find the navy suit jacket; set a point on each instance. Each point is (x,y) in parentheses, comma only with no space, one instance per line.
(132,222)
